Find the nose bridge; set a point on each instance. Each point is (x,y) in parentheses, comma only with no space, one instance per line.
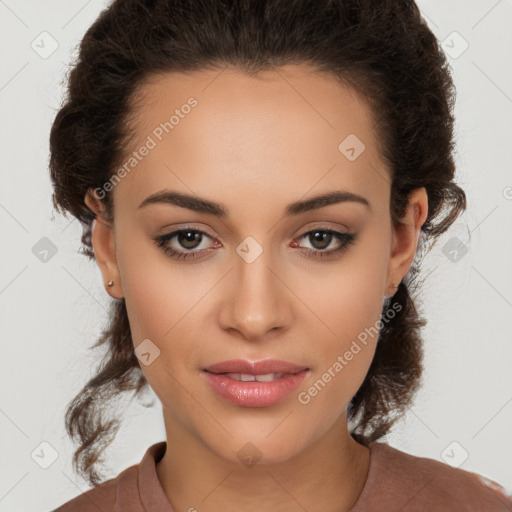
(257,302)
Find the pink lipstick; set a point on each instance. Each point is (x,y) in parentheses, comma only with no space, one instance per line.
(255,384)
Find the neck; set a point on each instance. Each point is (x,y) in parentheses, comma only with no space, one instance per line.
(328,475)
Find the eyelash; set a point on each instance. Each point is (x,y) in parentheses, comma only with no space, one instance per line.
(348,239)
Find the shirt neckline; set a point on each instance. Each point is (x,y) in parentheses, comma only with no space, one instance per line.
(152,493)
(153,496)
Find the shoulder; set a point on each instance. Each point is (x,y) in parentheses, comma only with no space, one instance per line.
(135,489)
(401,481)
(102,497)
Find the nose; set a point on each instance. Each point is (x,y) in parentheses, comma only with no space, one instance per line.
(257,300)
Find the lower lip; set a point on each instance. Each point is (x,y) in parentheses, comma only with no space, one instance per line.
(254,393)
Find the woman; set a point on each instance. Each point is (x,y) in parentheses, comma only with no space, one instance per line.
(257,181)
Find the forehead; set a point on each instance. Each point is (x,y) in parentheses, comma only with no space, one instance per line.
(286,129)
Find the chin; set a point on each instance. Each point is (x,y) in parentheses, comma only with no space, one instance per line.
(257,448)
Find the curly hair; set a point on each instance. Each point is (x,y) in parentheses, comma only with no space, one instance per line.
(381,48)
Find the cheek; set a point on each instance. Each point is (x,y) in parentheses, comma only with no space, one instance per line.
(163,305)
(344,358)
(347,306)
(150,308)
(155,292)
(158,312)
(344,298)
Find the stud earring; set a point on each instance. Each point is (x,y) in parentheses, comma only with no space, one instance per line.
(110,283)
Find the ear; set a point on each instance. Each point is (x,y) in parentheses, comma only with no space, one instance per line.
(103,243)
(406,235)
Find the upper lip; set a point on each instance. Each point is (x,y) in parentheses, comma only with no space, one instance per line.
(255,367)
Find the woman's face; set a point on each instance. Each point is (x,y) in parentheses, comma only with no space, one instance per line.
(299,284)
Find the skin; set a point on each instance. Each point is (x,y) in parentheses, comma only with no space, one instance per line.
(255,145)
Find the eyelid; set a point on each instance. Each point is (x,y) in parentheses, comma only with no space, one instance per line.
(170,232)
(323,225)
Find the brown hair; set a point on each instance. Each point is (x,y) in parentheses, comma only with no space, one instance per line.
(381,48)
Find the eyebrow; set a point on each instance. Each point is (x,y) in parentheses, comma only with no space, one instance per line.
(206,206)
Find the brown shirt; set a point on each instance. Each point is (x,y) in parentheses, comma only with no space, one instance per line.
(396,482)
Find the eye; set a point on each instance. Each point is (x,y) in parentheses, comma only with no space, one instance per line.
(190,239)
(187,238)
(323,237)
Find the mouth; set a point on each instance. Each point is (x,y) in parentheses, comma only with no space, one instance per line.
(255,384)
(249,377)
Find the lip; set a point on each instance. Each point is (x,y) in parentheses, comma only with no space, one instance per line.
(255,367)
(254,393)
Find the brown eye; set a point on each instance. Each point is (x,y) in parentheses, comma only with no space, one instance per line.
(188,239)
(321,238)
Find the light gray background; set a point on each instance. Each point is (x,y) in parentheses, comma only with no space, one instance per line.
(51,312)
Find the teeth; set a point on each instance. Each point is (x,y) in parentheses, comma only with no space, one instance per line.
(268,377)
(248,377)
